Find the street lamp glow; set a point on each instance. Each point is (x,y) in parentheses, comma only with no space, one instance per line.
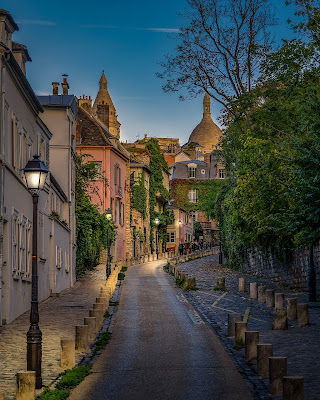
(180,222)
(157,221)
(108,214)
(36,173)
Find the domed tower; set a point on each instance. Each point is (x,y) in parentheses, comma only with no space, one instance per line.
(207,133)
(104,109)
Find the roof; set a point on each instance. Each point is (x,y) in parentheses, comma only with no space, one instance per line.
(21,47)
(140,165)
(58,187)
(91,131)
(60,100)
(190,162)
(22,81)
(206,133)
(5,12)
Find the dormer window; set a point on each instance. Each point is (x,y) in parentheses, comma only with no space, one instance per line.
(192,172)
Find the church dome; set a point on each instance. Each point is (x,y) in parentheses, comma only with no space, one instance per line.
(207,133)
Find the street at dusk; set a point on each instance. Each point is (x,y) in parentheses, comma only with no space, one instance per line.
(159,200)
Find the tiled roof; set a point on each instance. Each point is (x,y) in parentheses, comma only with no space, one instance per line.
(59,101)
(18,46)
(91,131)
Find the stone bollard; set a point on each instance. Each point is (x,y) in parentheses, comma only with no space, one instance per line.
(97,315)
(239,331)
(270,298)
(264,352)
(251,342)
(2,395)
(253,290)
(91,322)
(261,294)
(221,283)
(303,314)
(280,320)
(242,284)
(291,309)
(105,302)
(81,338)
(26,384)
(277,370)
(293,388)
(67,353)
(279,300)
(191,282)
(232,319)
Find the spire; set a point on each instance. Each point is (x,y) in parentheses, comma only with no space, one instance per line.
(206,104)
(103,81)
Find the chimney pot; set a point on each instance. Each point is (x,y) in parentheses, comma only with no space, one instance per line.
(55,88)
(89,97)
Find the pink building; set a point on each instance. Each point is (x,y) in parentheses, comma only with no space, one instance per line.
(109,191)
(181,231)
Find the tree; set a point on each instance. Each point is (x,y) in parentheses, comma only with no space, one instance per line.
(221,49)
(92,228)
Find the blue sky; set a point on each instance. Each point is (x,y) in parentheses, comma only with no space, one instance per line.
(125,38)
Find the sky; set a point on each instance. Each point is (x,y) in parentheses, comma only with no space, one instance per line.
(127,39)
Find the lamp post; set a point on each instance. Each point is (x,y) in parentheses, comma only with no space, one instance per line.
(108,215)
(157,221)
(35,173)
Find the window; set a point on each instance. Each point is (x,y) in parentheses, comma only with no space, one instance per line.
(186,219)
(119,177)
(221,174)
(15,241)
(66,262)
(58,257)
(171,237)
(111,205)
(193,197)
(41,234)
(28,248)
(192,172)
(116,167)
(22,249)
(120,211)
(123,214)
(115,210)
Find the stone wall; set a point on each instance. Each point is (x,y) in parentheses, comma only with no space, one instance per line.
(293,273)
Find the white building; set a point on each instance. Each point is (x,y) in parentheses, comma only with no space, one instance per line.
(23,134)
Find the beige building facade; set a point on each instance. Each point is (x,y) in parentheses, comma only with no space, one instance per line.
(22,134)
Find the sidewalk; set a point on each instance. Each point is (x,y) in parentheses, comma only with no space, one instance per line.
(58,318)
(300,344)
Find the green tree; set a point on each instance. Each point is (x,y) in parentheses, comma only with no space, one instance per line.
(92,228)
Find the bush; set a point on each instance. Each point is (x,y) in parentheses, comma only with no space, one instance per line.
(73,377)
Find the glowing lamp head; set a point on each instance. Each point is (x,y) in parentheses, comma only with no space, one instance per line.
(108,214)
(36,173)
(157,221)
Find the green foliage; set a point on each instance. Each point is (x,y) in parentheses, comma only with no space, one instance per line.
(271,149)
(72,377)
(180,282)
(139,196)
(156,189)
(239,344)
(92,228)
(55,394)
(121,276)
(102,342)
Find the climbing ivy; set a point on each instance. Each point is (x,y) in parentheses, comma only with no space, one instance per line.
(139,196)
(92,228)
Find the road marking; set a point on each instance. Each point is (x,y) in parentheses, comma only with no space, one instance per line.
(219,298)
(233,312)
(195,317)
(246,315)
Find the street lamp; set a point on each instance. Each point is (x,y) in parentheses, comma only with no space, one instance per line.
(157,222)
(108,215)
(35,173)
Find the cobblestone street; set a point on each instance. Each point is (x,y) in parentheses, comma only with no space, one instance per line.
(300,344)
(58,318)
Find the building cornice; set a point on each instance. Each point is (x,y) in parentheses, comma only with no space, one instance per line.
(22,82)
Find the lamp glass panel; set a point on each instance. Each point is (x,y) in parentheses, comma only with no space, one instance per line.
(43,177)
(33,179)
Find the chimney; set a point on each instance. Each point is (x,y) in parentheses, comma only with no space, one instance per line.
(65,85)
(55,88)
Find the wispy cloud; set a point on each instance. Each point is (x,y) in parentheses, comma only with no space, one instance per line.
(162,30)
(166,30)
(36,22)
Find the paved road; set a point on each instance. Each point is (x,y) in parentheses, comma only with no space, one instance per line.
(160,348)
